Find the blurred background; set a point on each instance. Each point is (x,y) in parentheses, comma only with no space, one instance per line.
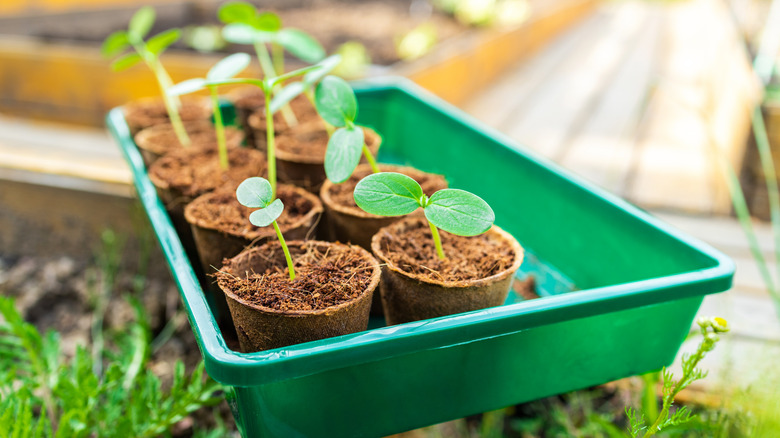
(654,101)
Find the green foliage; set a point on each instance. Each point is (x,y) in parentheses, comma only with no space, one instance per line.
(394,194)
(44,395)
(257,192)
(336,102)
(343,153)
(455,211)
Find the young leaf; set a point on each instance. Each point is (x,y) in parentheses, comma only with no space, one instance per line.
(388,194)
(286,94)
(325,67)
(126,61)
(158,43)
(301,45)
(228,67)
(141,23)
(343,154)
(265,216)
(240,33)
(115,44)
(459,212)
(254,192)
(236,12)
(335,101)
(266,21)
(186,87)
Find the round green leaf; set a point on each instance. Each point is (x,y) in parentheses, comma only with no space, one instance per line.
(285,95)
(267,22)
(301,45)
(141,23)
(388,194)
(228,67)
(255,192)
(115,43)
(265,216)
(236,12)
(186,87)
(323,68)
(126,61)
(239,33)
(335,101)
(158,43)
(343,154)
(459,212)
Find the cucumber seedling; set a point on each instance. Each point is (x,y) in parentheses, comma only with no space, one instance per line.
(256,192)
(149,52)
(456,211)
(246,25)
(223,70)
(337,105)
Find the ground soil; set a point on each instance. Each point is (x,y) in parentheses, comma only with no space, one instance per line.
(301,107)
(468,258)
(324,278)
(343,194)
(192,172)
(223,212)
(311,141)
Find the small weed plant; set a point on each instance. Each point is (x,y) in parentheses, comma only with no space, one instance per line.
(256,192)
(44,395)
(455,211)
(147,51)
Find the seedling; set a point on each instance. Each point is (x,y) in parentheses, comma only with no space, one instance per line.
(256,192)
(337,105)
(223,70)
(455,211)
(267,85)
(149,52)
(246,25)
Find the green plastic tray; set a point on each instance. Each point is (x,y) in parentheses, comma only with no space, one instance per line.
(619,292)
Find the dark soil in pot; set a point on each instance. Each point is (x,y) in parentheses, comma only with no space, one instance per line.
(300,155)
(151,111)
(182,175)
(331,295)
(416,284)
(156,141)
(221,227)
(255,128)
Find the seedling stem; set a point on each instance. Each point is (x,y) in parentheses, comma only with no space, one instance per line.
(269,136)
(370,158)
(269,71)
(286,251)
(437,241)
(220,128)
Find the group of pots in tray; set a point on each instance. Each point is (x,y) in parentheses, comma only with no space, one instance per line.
(211,179)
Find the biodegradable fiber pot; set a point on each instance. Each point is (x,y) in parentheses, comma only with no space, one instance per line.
(260,327)
(412,289)
(347,222)
(300,154)
(255,127)
(150,111)
(221,227)
(155,141)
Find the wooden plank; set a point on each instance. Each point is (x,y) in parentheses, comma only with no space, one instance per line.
(569,92)
(603,149)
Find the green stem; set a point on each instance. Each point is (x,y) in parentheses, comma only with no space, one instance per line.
(770,178)
(171,105)
(278,60)
(437,241)
(269,137)
(286,251)
(370,159)
(220,128)
(269,71)
(649,401)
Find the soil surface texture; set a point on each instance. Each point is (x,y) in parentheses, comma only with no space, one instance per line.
(324,278)
(150,112)
(468,258)
(162,138)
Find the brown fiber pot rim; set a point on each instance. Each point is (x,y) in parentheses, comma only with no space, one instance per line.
(131,109)
(146,138)
(365,255)
(256,232)
(350,210)
(493,232)
(372,140)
